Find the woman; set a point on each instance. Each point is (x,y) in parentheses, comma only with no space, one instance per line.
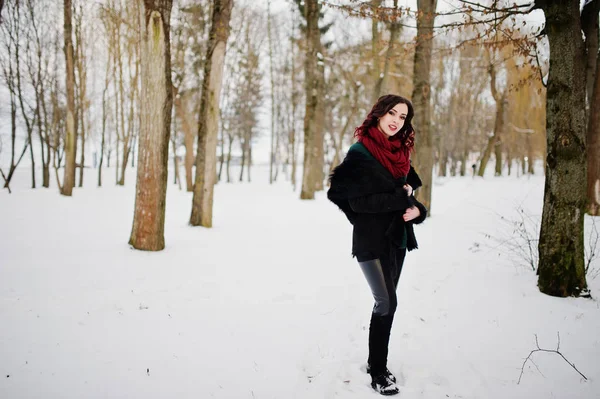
(373,186)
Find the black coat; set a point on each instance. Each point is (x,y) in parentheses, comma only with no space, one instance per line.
(374,203)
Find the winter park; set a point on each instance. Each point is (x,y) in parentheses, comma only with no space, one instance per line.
(299,198)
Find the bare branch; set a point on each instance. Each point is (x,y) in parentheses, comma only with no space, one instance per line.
(549,351)
(514,9)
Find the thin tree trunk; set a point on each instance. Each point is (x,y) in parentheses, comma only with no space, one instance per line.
(29,124)
(249,160)
(103,142)
(36,75)
(189,129)
(272,78)
(294,96)
(561,245)
(208,121)
(383,80)
(176,177)
(71,136)
(82,88)
(244,152)
(375,46)
(229,148)
(156,106)
(492,141)
(423,161)
(312,179)
(589,19)
(589,24)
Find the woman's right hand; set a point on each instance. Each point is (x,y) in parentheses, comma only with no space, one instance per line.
(408,189)
(411,213)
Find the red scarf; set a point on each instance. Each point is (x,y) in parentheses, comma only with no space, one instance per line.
(392,154)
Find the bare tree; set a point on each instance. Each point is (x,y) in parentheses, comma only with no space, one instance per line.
(82,102)
(71,138)
(8,57)
(562,269)
(28,115)
(421,98)
(314,70)
(38,68)
(495,141)
(208,121)
(156,107)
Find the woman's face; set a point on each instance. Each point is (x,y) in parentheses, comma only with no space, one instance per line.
(391,123)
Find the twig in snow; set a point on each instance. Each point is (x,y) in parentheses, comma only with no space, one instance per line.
(557,350)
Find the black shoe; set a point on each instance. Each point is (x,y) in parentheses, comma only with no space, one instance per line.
(382,384)
(388,373)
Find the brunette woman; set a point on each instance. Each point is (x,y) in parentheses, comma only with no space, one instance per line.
(374,187)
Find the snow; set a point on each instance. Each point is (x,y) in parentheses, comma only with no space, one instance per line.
(270,304)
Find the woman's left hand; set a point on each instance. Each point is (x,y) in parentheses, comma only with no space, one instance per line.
(408,189)
(411,213)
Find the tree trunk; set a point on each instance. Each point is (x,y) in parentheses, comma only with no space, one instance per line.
(498,155)
(589,24)
(561,245)
(593,148)
(208,121)
(272,78)
(249,160)
(294,95)
(229,148)
(188,125)
(486,154)
(71,136)
(81,65)
(382,84)
(423,161)
(103,142)
(589,18)
(243,163)
(156,105)
(375,46)
(312,178)
(29,124)
(176,175)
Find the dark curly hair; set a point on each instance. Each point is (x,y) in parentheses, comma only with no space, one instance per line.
(383,105)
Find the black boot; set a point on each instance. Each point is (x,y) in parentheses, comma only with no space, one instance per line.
(382,384)
(383,380)
(387,372)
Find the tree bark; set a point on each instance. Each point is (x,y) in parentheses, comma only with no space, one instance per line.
(208,121)
(156,105)
(272,78)
(423,160)
(312,178)
(561,246)
(381,87)
(589,19)
(81,65)
(589,24)
(375,47)
(593,148)
(71,136)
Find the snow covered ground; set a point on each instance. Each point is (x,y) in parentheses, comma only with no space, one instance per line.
(270,304)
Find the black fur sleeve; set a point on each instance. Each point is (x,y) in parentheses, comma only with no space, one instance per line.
(381,202)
